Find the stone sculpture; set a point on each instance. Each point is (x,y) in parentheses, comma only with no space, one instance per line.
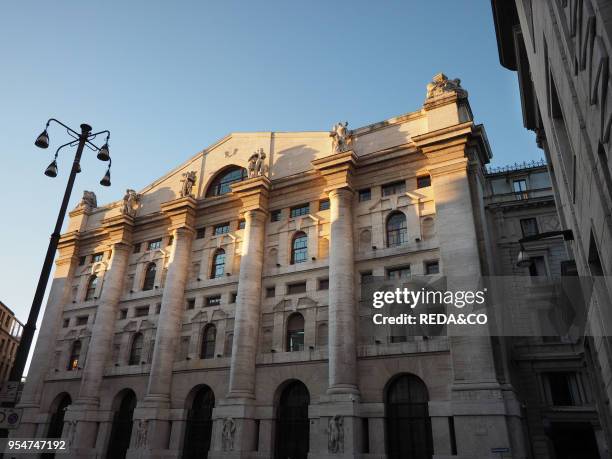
(342,138)
(189,179)
(130,201)
(257,166)
(227,434)
(440,84)
(335,432)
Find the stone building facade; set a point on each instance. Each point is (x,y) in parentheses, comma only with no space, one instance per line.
(10,335)
(217,309)
(548,372)
(561,51)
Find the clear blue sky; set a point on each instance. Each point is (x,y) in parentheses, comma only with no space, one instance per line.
(170,78)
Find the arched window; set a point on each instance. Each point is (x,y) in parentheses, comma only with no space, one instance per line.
(222,183)
(92,284)
(136,349)
(396,229)
(295,332)
(208,342)
(408,424)
(149,277)
(299,248)
(75,354)
(218,264)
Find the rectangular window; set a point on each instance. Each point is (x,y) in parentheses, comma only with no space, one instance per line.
(275,215)
(399,273)
(123,314)
(170,240)
(324,204)
(241,224)
(529,226)
(137,248)
(537,267)
(270,292)
(423,181)
(394,188)
(155,244)
(213,300)
(82,260)
(298,211)
(221,228)
(81,320)
(366,276)
(563,388)
(432,267)
(200,233)
(65,325)
(365,194)
(520,188)
(323,284)
(97,257)
(299,287)
(157,308)
(233,297)
(141,311)
(190,304)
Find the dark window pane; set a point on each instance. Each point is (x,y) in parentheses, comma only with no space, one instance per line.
(275,215)
(222,183)
(218,264)
(208,342)
(399,273)
(423,181)
(149,279)
(213,300)
(394,188)
(302,209)
(365,194)
(137,247)
(324,204)
(397,232)
(432,267)
(299,251)
(242,223)
(270,292)
(529,226)
(296,288)
(153,245)
(221,228)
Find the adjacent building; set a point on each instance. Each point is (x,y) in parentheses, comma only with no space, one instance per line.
(561,52)
(10,334)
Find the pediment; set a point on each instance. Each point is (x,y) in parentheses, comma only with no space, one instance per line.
(201,316)
(219,314)
(306,302)
(130,326)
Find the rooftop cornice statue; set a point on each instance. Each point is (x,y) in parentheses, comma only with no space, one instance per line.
(440,84)
(189,179)
(88,201)
(130,202)
(257,166)
(342,138)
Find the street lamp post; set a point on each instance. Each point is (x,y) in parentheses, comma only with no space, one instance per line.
(82,139)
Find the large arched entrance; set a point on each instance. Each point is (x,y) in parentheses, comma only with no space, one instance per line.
(56,422)
(292,425)
(121,431)
(408,426)
(198,429)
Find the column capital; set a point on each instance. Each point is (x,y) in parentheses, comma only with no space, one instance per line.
(181,212)
(337,169)
(253,192)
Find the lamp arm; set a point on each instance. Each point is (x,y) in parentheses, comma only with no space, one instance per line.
(62,124)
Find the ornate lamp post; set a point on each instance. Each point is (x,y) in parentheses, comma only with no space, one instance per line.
(82,140)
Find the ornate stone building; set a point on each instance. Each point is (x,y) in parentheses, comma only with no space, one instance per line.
(10,334)
(561,51)
(217,309)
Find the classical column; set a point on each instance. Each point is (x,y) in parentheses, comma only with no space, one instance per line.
(239,402)
(248,307)
(157,399)
(44,352)
(119,229)
(342,311)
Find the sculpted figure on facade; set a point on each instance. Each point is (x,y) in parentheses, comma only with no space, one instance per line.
(88,201)
(141,433)
(130,202)
(440,84)
(342,138)
(71,429)
(227,434)
(189,179)
(335,435)
(257,166)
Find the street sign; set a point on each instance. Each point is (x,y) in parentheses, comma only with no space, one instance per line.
(9,391)
(10,418)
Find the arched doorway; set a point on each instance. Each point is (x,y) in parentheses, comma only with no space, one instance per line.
(56,423)
(408,425)
(121,431)
(292,425)
(198,429)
